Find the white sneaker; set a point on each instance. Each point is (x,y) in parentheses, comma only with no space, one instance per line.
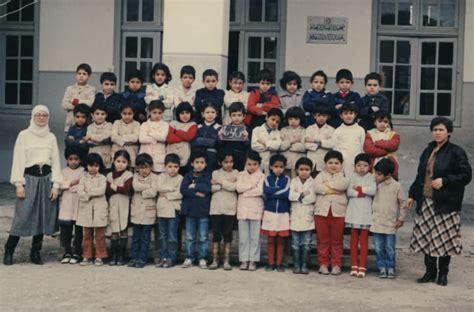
(203,264)
(187,263)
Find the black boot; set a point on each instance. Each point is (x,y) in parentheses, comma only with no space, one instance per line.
(35,250)
(296,261)
(122,255)
(431,271)
(114,245)
(304,261)
(443,270)
(10,246)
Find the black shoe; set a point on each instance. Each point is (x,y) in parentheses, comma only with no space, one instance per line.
(443,270)
(8,256)
(429,277)
(131,263)
(280,268)
(269,268)
(442,280)
(36,257)
(140,264)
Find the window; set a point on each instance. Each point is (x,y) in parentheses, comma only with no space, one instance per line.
(417,53)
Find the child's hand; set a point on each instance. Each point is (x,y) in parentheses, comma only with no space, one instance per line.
(215,182)
(113,187)
(74,182)
(355,187)
(245,135)
(375,109)
(192,185)
(409,203)
(70,137)
(338,106)
(86,138)
(82,141)
(399,224)
(199,194)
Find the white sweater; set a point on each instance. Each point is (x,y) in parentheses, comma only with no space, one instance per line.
(349,140)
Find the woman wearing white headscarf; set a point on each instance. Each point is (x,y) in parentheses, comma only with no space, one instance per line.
(36,173)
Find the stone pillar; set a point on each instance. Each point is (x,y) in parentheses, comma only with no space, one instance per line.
(196,33)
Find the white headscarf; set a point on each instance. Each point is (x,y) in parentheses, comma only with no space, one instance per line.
(34,128)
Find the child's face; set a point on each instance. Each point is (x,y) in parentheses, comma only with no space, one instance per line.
(321,119)
(82,77)
(144,170)
(185,116)
(236,85)
(264,85)
(372,87)
(210,82)
(127,115)
(108,87)
(333,165)
(99,116)
(93,169)
(134,84)
(155,114)
(348,117)
(228,163)
(294,122)
(278,168)
(159,77)
(344,84)
(380,177)
(304,171)
(362,168)
(237,118)
(73,161)
(209,114)
(291,86)
(318,84)
(172,169)
(80,119)
(120,164)
(187,80)
(273,122)
(381,124)
(199,164)
(252,165)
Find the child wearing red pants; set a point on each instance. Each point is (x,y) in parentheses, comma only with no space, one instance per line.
(330,185)
(359,212)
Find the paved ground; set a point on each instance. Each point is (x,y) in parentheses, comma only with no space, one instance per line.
(56,287)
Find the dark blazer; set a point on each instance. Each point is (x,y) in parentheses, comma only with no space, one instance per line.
(452,165)
(193,205)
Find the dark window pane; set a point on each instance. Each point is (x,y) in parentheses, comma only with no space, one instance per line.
(428,53)
(387,76)
(26,93)
(255,47)
(427,78)
(388,13)
(427,104)
(402,77)
(270,47)
(255,10)
(401,102)
(403,52)
(147,48)
(252,71)
(26,70)
(271,66)
(443,106)
(11,93)
(132,10)
(131,46)
(430,14)
(145,68)
(26,45)
(130,67)
(446,16)
(445,78)
(27,13)
(271,10)
(386,51)
(148,10)
(389,94)
(12,45)
(445,56)
(233,53)
(11,70)
(232,10)
(13,6)
(405,13)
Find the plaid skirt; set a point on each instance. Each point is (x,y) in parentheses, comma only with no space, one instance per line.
(436,235)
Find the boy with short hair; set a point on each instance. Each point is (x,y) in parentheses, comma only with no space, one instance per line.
(196,190)
(135,96)
(373,101)
(99,133)
(344,82)
(185,92)
(388,214)
(261,100)
(266,139)
(75,136)
(209,94)
(80,92)
(108,97)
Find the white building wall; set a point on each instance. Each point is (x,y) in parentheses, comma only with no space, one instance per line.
(468,72)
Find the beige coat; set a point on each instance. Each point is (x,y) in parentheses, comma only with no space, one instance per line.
(165,93)
(250,200)
(271,144)
(388,206)
(119,204)
(169,198)
(69,204)
(144,199)
(316,152)
(231,97)
(100,141)
(152,138)
(302,212)
(292,151)
(184,95)
(93,206)
(125,136)
(326,198)
(224,197)
(85,95)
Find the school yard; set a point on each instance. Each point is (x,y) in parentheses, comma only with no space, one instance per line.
(59,287)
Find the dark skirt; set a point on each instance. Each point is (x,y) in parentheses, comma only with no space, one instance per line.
(436,235)
(36,213)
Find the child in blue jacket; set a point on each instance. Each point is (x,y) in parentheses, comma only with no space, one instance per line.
(76,133)
(135,96)
(344,81)
(317,96)
(109,97)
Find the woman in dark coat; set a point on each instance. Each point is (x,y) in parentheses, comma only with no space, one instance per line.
(443,173)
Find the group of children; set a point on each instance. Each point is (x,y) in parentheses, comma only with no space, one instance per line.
(167,152)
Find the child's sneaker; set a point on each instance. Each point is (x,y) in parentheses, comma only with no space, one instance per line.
(252,266)
(214,265)
(269,268)
(361,273)
(280,268)
(391,273)
(86,261)
(98,262)
(336,270)
(203,264)
(187,263)
(140,264)
(323,269)
(66,259)
(383,273)
(168,264)
(244,266)
(75,259)
(354,271)
(161,262)
(131,263)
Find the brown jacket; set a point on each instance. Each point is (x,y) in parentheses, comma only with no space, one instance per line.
(93,206)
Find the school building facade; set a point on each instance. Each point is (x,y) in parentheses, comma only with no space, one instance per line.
(423,48)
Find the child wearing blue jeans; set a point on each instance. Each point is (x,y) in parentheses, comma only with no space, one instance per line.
(388,214)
